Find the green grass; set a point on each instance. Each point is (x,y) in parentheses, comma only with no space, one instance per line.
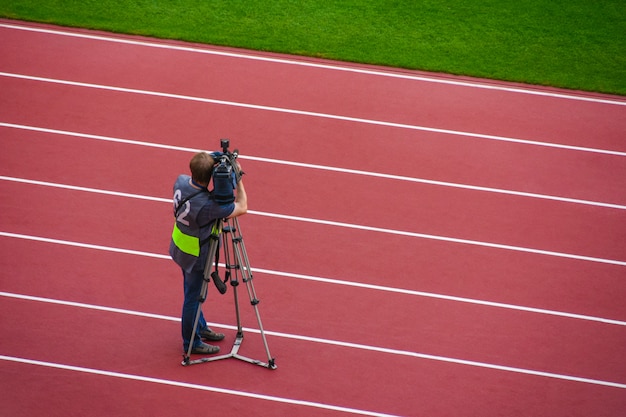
(577,44)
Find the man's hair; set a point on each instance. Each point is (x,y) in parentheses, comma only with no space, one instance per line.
(201,167)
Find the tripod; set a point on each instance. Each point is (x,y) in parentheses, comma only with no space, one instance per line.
(233,240)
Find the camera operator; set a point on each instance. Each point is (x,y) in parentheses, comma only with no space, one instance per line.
(195,213)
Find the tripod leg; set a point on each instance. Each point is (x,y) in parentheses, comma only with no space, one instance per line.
(234,281)
(213,247)
(233,240)
(243,263)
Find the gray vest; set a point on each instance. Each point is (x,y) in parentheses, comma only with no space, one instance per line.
(187,235)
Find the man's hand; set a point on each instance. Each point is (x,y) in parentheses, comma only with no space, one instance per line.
(238,171)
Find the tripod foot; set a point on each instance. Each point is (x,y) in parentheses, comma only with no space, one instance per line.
(271,364)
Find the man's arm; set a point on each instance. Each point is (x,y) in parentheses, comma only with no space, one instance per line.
(241,201)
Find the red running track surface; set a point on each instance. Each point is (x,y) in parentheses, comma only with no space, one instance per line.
(422,244)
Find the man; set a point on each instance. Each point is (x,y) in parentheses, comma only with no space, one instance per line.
(195,214)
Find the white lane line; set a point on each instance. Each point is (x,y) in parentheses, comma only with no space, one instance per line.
(441,297)
(85,189)
(376,349)
(302,61)
(311,114)
(335,281)
(99,308)
(348,225)
(180,384)
(444,238)
(84,245)
(325,168)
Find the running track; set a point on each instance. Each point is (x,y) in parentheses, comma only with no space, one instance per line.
(423,245)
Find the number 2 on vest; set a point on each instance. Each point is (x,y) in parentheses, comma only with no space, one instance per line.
(181,217)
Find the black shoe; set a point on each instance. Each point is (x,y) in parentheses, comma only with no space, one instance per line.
(205,349)
(208,334)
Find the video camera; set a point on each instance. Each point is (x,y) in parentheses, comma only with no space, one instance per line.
(226,174)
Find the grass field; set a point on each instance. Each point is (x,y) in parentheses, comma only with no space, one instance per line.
(576,44)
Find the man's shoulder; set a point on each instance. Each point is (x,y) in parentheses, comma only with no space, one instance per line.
(183,178)
(182,182)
